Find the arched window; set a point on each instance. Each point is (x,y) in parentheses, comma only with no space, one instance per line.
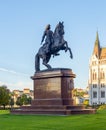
(94,75)
(103,75)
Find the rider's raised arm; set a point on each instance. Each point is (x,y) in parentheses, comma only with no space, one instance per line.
(44,34)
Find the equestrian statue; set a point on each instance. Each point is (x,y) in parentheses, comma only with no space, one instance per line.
(54,42)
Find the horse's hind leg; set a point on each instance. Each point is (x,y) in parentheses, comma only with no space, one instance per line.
(37,63)
(45,61)
(47,65)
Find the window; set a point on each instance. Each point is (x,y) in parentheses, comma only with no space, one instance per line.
(94,85)
(102,94)
(94,63)
(102,85)
(102,74)
(94,75)
(94,94)
(94,103)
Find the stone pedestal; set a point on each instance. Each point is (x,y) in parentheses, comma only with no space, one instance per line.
(53,87)
(53,94)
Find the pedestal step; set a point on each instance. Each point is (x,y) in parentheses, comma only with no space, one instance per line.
(57,110)
(68,107)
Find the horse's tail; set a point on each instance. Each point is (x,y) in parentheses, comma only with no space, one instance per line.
(37,63)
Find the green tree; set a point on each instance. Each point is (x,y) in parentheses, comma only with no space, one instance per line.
(11,103)
(29,100)
(19,101)
(4,96)
(86,102)
(76,93)
(24,99)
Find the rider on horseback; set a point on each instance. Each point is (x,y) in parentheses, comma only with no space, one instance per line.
(49,38)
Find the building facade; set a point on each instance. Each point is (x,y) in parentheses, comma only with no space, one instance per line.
(26,91)
(97,74)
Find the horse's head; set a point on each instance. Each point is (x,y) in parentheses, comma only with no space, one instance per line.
(59,30)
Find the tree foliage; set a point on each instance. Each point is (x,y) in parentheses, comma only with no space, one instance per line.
(77,93)
(4,96)
(102,107)
(86,102)
(19,101)
(23,100)
(11,102)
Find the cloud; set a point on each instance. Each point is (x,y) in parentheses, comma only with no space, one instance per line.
(15,81)
(18,85)
(2,83)
(13,72)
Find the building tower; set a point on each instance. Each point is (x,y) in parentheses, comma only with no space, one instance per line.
(97,74)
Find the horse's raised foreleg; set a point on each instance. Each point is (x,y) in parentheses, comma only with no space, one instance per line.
(67,48)
(71,55)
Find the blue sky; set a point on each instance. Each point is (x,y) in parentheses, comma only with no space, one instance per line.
(22,23)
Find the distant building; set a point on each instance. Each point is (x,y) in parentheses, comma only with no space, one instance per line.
(86,96)
(78,100)
(26,91)
(80,95)
(97,74)
(16,94)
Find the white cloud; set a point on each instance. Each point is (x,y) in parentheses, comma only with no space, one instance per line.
(2,83)
(12,72)
(15,81)
(18,85)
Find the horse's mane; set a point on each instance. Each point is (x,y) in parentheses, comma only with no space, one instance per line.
(56,29)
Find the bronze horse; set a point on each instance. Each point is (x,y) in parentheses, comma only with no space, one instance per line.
(58,44)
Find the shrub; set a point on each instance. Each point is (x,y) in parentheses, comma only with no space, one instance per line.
(102,107)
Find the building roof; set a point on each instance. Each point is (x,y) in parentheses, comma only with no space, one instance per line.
(97,48)
(103,53)
(98,51)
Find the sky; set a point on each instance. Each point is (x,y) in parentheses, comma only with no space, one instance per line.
(22,23)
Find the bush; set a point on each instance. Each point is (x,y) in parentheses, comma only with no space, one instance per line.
(102,107)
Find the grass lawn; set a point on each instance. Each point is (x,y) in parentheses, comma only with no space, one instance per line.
(41,122)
